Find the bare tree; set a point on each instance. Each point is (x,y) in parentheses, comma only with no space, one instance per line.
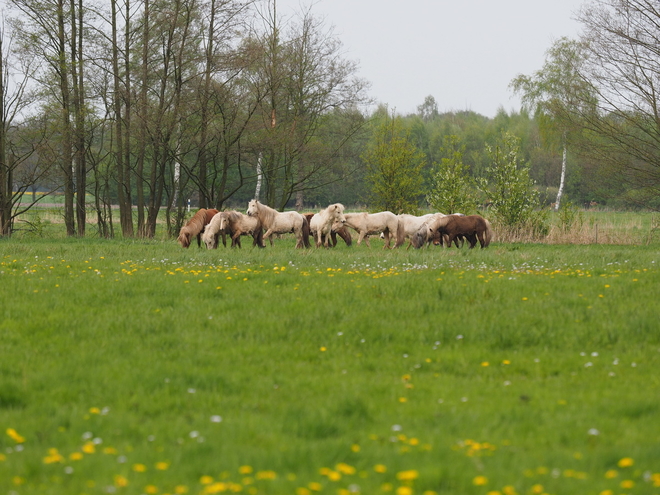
(623,42)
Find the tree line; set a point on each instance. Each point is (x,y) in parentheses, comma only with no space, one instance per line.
(146,105)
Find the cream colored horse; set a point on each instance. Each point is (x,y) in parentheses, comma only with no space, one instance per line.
(373,223)
(276,222)
(321,224)
(409,224)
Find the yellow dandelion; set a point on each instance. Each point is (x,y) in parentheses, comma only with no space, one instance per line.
(627,484)
(323,349)
(403,400)
(89,448)
(94,410)
(17,480)
(612,473)
(121,481)
(151,489)
(206,480)
(334,476)
(266,475)
(404,490)
(75,456)
(345,468)
(494,492)
(409,475)
(302,491)
(380,468)
(524,299)
(606,492)
(245,470)
(3,457)
(480,481)
(110,450)
(181,489)
(355,447)
(485,363)
(139,468)
(506,361)
(537,489)
(162,466)
(626,462)
(15,436)
(509,490)
(314,486)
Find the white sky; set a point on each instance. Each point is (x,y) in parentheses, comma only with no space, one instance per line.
(462,52)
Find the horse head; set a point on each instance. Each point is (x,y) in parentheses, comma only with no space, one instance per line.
(253,208)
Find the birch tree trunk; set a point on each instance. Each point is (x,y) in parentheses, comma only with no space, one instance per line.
(562,180)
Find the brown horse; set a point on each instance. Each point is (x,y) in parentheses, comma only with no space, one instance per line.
(336,230)
(471,227)
(195,227)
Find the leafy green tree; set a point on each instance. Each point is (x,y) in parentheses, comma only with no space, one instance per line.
(394,168)
(554,91)
(452,188)
(509,188)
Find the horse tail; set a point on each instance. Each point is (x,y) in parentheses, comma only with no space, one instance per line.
(488,233)
(305,231)
(400,233)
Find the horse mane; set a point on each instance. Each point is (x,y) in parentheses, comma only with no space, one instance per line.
(192,227)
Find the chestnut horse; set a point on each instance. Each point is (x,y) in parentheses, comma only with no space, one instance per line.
(195,226)
(472,227)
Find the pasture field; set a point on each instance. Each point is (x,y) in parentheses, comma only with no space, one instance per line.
(138,367)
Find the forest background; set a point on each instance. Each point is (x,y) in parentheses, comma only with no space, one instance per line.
(126,112)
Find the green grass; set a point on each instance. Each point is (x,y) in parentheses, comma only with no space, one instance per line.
(153,369)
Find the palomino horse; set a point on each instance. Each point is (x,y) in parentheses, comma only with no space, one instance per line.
(275,222)
(337,230)
(321,223)
(235,224)
(195,227)
(373,223)
(409,224)
(472,227)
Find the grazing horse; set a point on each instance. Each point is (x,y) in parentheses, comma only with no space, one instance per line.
(408,225)
(472,227)
(424,235)
(337,229)
(195,227)
(235,224)
(275,222)
(373,223)
(321,223)
(213,231)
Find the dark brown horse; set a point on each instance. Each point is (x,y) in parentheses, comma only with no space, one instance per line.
(342,231)
(471,227)
(195,227)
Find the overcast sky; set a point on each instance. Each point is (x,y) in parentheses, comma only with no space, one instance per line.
(462,52)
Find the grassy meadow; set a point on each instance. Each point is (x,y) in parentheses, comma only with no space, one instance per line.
(138,367)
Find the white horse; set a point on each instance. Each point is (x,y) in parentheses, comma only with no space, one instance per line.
(322,223)
(409,224)
(373,223)
(275,222)
(213,231)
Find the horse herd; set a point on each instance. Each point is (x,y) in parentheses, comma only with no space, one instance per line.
(262,222)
